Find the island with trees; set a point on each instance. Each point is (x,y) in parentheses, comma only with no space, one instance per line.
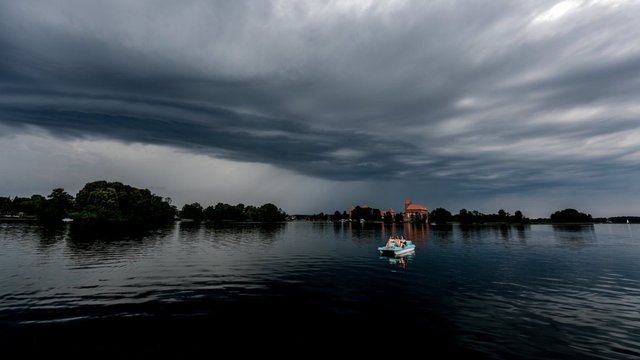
(116,204)
(229,213)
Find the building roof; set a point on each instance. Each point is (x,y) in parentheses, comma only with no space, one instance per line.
(416,207)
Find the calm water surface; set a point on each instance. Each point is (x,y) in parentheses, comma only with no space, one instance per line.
(497,292)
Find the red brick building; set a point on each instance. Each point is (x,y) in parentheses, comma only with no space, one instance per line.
(415,212)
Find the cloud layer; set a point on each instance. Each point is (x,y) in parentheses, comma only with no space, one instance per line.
(439,100)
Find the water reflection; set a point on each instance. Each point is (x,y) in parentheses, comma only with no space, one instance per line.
(304,275)
(368,233)
(504,233)
(379,232)
(418,233)
(235,234)
(521,231)
(473,234)
(442,234)
(400,261)
(87,244)
(86,232)
(51,235)
(575,236)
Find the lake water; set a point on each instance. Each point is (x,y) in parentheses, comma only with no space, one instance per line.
(530,292)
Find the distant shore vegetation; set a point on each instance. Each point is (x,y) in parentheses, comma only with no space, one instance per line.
(98,202)
(232,213)
(114,203)
(441,216)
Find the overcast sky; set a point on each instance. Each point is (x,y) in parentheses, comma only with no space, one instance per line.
(318,105)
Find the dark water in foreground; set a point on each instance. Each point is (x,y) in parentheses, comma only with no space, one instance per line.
(496,292)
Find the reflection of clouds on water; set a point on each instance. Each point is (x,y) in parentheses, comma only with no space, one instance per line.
(575,237)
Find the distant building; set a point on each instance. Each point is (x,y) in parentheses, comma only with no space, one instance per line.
(415,212)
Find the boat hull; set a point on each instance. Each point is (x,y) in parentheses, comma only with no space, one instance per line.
(397,250)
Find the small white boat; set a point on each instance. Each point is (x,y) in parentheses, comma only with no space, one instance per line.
(397,246)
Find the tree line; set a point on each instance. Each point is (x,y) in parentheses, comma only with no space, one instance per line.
(443,216)
(229,213)
(364,213)
(103,202)
(464,216)
(98,201)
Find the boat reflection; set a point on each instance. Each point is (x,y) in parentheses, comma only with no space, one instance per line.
(400,260)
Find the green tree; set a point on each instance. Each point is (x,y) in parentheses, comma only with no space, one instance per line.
(399,218)
(250,213)
(56,207)
(441,216)
(271,213)
(209,213)
(114,202)
(357,213)
(192,211)
(518,217)
(5,205)
(465,217)
(570,216)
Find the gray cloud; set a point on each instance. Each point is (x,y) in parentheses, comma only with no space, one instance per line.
(469,99)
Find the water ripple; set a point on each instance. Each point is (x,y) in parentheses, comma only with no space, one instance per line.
(530,292)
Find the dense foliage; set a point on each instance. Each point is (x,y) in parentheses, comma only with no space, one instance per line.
(21,205)
(624,219)
(440,216)
(230,213)
(99,201)
(114,202)
(476,217)
(570,216)
(104,201)
(366,213)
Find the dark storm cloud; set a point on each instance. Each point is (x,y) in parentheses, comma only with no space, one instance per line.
(223,133)
(475,96)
